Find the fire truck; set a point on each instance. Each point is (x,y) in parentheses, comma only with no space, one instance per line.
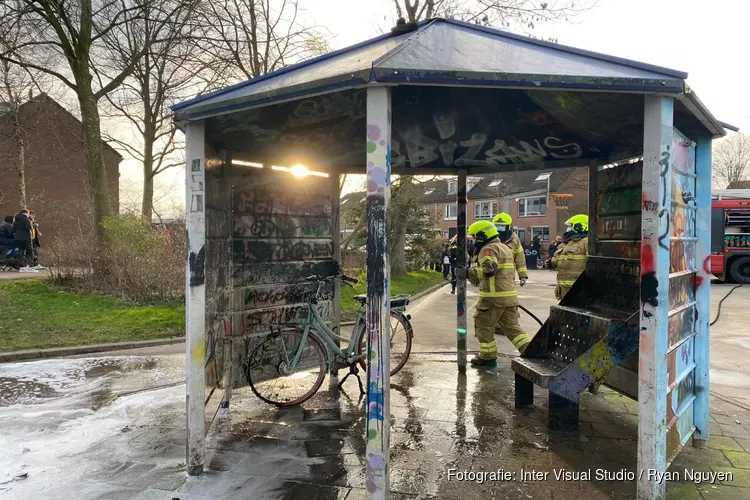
(730,235)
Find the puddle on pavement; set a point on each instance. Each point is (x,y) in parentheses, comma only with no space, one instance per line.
(110,365)
(20,391)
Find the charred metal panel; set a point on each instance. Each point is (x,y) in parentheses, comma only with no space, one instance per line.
(618,211)
(218,269)
(281,233)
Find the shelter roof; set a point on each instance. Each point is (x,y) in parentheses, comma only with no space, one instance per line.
(451,53)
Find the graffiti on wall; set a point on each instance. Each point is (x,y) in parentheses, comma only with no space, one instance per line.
(281,234)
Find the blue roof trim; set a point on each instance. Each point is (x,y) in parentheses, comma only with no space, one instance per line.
(573,50)
(452,82)
(288,69)
(271,99)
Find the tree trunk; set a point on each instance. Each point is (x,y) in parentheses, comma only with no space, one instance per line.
(97,172)
(398,253)
(147,206)
(19,158)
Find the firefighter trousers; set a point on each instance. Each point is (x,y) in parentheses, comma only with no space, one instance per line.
(561,291)
(489,319)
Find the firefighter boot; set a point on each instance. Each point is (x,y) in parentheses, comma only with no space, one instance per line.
(478,362)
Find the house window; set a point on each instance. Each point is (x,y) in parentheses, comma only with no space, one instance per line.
(452,187)
(541,231)
(528,207)
(449,212)
(446,234)
(543,177)
(521,234)
(485,209)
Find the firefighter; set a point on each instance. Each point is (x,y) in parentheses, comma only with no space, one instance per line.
(504,224)
(493,272)
(570,256)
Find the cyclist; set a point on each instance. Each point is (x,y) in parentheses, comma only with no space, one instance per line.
(493,272)
(504,224)
(570,256)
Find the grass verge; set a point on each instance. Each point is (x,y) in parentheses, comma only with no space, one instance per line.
(410,283)
(38,315)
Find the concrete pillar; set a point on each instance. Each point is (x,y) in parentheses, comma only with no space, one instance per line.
(654,315)
(195,296)
(702,291)
(461,264)
(378,324)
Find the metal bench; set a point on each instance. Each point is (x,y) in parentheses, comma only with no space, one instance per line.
(591,331)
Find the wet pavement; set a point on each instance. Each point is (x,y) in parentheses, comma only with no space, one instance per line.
(113,427)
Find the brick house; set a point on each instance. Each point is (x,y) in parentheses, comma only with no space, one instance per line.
(525,195)
(55,167)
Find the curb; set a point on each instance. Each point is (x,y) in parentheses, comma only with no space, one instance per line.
(414,297)
(57,352)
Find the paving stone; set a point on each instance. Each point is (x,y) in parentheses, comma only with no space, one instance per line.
(739,459)
(714,492)
(744,443)
(723,443)
(683,491)
(734,431)
(740,477)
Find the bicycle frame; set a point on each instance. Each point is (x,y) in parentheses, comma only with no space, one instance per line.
(329,337)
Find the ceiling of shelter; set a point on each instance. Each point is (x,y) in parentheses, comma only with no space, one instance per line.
(441,127)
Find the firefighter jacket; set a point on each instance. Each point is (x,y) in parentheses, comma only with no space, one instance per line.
(519,256)
(493,271)
(570,259)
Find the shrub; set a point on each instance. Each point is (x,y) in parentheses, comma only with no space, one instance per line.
(139,262)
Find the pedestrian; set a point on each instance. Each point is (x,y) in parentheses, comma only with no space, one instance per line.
(35,234)
(445,257)
(493,271)
(22,238)
(570,256)
(6,232)
(553,247)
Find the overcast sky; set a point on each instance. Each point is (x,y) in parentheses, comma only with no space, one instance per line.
(709,40)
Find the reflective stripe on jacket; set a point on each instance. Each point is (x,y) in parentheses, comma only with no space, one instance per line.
(519,256)
(570,260)
(496,257)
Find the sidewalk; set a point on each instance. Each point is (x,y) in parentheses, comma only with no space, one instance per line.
(133,446)
(114,428)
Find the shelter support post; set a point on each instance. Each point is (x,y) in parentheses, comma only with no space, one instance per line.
(593,190)
(335,187)
(654,315)
(702,293)
(461,264)
(378,323)
(195,297)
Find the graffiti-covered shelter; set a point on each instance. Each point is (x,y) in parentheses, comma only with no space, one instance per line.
(447,98)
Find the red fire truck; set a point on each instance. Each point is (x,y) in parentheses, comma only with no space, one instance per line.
(730,235)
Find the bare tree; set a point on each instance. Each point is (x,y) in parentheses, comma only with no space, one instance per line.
(731,160)
(81,33)
(522,15)
(163,76)
(248,38)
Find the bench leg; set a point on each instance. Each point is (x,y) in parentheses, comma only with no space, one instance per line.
(563,413)
(524,392)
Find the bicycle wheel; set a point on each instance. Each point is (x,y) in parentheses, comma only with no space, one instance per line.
(274,381)
(401,338)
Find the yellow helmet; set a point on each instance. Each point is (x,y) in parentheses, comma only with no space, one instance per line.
(579,223)
(482,230)
(502,219)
